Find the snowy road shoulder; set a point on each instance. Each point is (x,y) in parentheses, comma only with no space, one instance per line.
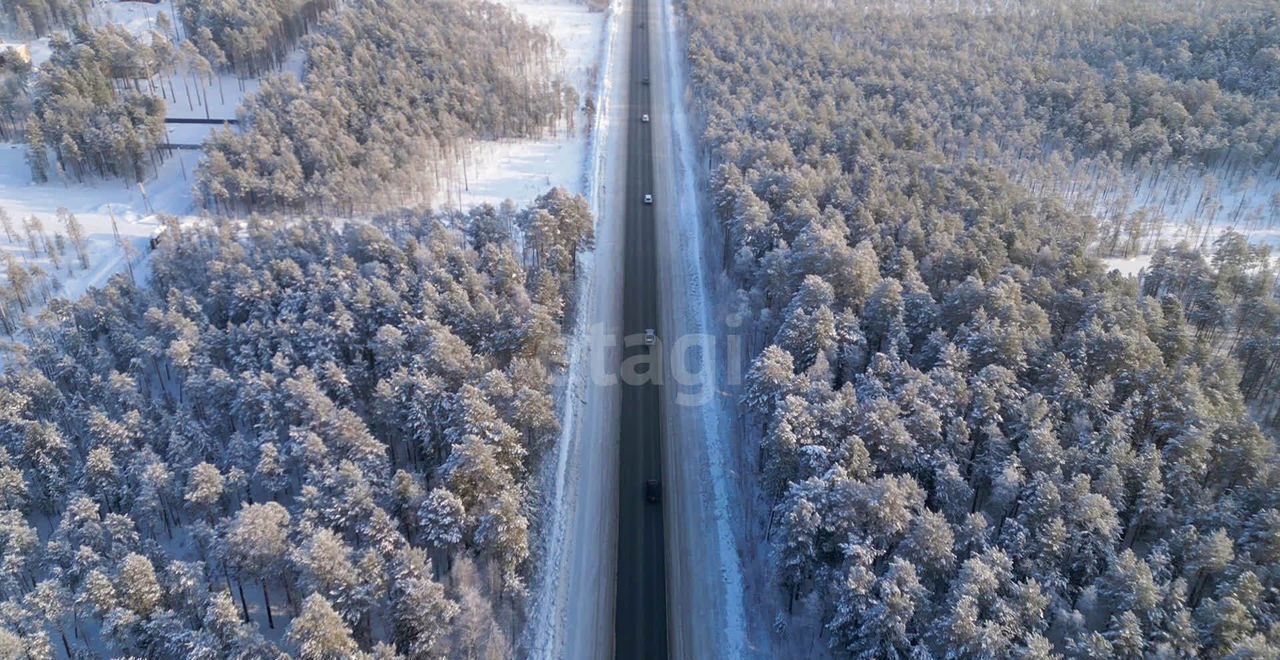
(571,608)
(706,586)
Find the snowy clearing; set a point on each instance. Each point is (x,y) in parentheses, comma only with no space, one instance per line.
(1141,211)
(94,203)
(137,18)
(521,170)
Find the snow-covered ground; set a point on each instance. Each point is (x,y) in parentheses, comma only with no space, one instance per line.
(521,170)
(705,520)
(137,18)
(571,608)
(1128,266)
(1177,205)
(96,202)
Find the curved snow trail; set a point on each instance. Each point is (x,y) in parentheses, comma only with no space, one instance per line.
(571,611)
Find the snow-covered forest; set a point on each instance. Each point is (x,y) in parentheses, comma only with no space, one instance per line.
(93,111)
(970,439)
(277,436)
(88,112)
(38,17)
(385,103)
(384,115)
(303,437)
(28,286)
(1144,113)
(249,38)
(15,96)
(97,103)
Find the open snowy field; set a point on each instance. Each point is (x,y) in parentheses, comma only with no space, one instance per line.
(521,170)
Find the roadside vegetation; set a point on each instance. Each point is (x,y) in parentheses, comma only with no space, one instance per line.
(971,440)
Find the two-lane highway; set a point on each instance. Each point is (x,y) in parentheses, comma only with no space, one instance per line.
(640,614)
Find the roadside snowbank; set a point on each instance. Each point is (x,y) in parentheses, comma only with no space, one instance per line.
(570,612)
(708,583)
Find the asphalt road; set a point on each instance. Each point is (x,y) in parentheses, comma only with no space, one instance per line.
(640,612)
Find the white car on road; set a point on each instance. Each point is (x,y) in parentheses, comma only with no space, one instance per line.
(644,118)
(648,199)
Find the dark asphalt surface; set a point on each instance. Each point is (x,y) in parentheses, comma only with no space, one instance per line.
(640,613)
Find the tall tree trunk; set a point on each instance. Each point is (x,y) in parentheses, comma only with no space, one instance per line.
(244,605)
(266,599)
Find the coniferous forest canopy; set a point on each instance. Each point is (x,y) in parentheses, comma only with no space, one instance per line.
(387,100)
(97,107)
(971,440)
(291,435)
(302,437)
(15,93)
(248,37)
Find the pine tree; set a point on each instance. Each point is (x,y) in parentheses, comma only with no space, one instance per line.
(443,519)
(205,488)
(325,567)
(76,233)
(37,156)
(421,613)
(319,633)
(139,589)
(6,225)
